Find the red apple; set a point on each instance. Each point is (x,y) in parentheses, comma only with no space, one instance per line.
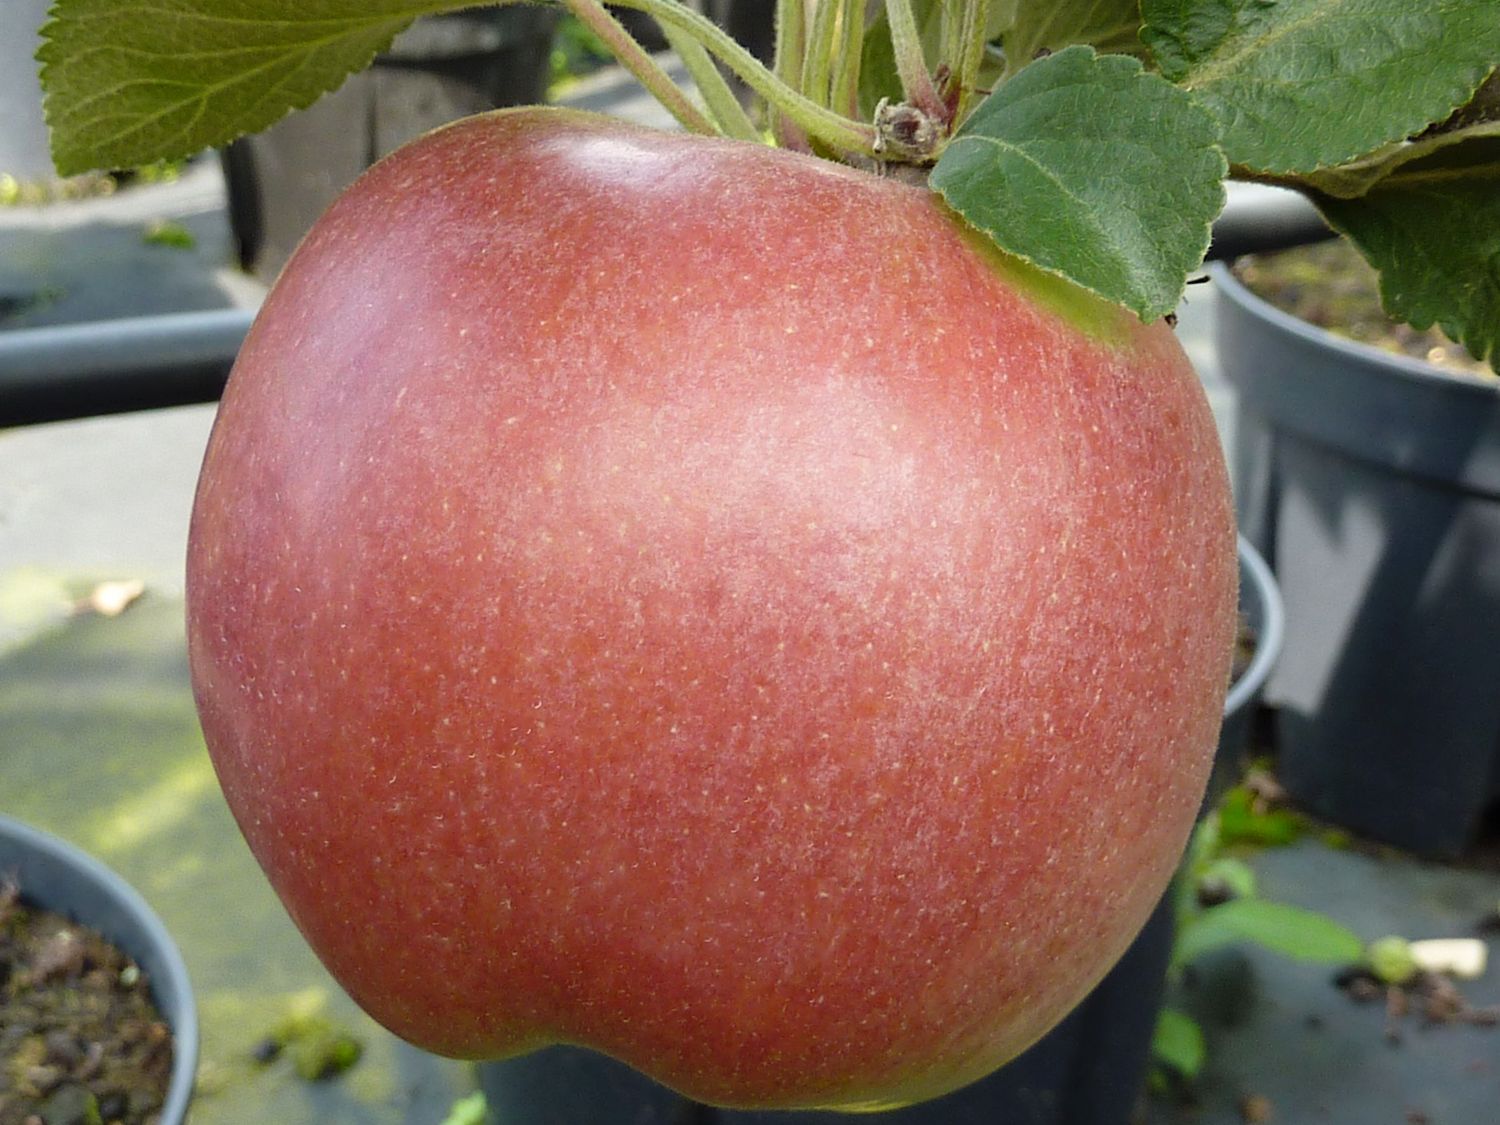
(698,602)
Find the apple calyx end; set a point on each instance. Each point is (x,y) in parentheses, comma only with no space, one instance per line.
(907,134)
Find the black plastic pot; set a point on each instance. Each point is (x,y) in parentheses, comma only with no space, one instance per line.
(1371,483)
(442,68)
(56,876)
(752,23)
(1088,1070)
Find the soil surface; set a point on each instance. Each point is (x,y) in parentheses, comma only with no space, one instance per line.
(80,1039)
(1328,284)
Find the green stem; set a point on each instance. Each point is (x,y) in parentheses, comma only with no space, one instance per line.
(832,129)
(844,95)
(969,61)
(953,25)
(723,106)
(791,54)
(816,67)
(638,61)
(911,65)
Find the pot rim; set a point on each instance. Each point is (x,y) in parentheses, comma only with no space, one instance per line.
(169,976)
(1405,367)
(1271,629)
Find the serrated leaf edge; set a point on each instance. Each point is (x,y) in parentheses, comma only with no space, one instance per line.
(1483,346)
(1194,78)
(50,54)
(1143,310)
(1363,174)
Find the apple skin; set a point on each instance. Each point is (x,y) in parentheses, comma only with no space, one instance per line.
(695,601)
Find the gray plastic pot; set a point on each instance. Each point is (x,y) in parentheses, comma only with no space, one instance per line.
(24,152)
(1088,1070)
(56,876)
(1264,613)
(1371,483)
(441,68)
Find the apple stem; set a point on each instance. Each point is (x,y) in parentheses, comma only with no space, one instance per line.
(968,58)
(817,64)
(917,86)
(790,53)
(722,104)
(812,95)
(844,84)
(818,122)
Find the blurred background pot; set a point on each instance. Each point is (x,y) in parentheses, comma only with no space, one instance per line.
(54,875)
(1262,636)
(441,68)
(24,153)
(1371,484)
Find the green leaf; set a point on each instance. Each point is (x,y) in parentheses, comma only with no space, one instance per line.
(1095,170)
(1205,843)
(1177,1042)
(878,79)
(132,81)
(1289,930)
(1305,84)
(1235,875)
(1108,25)
(1432,229)
(1241,821)
(1356,178)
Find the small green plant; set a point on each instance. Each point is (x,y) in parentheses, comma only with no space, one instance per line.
(318,1047)
(164,232)
(1219,905)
